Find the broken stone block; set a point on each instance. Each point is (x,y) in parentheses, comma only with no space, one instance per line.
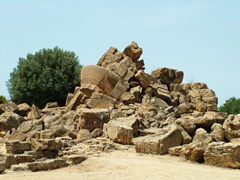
(47,134)
(46,165)
(231,127)
(23,109)
(112,55)
(8,160)
(159,143)
(19,167)
(17,147)
(8,121)
(17,135)
(78,98)
(118,132)
(177,151)
(2,167)
(93,118)
(223,154)
(8,107)
(131,121)
(217,132)
(187,124)
(74,159)
(35,113)
(200,106)
(194,152)
(88,89)
(137,92)
(161,91)
(127,98)
(99,100)
(132,51)
(69,98)
(168,76)
(96,132)
(84,134)
(22,158)
(143,78)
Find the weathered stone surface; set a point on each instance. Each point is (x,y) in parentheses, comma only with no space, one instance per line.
(168,76)
(8,160)
(118,132)
(99,100)
(47,134)
(51,105)
(161,91)
(143,78)
(232,127)
(223,154)
(19,167)
(35,113)
(84,134)
(184,108)
(47,165)
(217,132)
(60,129)
(108,82)
(96,132)
(112,55)
(8,107)
(127,98)
(159,143)
(131,121)
(22,158)
(69,98)
(132,51)
(17,135)
(88,89)
(17,146)
(23,109)
(8,121)
(187,124)
(209,119)
(93,118)
(26,126)
(136,91)
(74,159)
(148,101)
(177,151)
(2,167)
(200,106)
(77,99)
(45,144)
(194,152)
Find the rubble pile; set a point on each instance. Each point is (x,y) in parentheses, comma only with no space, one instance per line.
(118,106)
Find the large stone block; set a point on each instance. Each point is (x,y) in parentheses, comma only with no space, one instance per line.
(118,132)
(133,51)
(223,154)
(91,119)
(231,127)
(8,121)
(143,78)
(17,146)
(47,165)
(99,100)
(160,143)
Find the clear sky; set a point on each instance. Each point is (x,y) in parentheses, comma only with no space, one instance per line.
(199,37)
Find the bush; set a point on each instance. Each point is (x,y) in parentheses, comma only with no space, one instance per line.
(231,106)
(47,76)
(2,99)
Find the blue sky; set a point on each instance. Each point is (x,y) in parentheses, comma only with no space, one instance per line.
(200,37)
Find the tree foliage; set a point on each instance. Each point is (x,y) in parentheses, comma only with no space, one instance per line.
(2,99)
(231,106)
(47,76)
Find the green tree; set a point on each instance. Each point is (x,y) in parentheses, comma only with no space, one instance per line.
(47,76)
(2,99)
(231,106)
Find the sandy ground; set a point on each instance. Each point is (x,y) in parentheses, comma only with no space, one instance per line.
(130,165)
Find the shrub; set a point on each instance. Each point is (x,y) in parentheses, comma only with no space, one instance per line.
(231,106)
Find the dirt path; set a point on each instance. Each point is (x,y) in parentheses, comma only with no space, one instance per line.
(129,165)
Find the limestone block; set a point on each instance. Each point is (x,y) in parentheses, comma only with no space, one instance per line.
(17,135)
(84,134)
(223,154)
(143,78)
(19,167)
(8,107)
(131,121)
(127,98)
(137,92)
(99,100)
(231,127)
(77,99)
(159,143)
(69,98)
(118,132)
(96,132)
(168,76)
(194,152)
(8,121)
(177,151)
(17,146)
(93,118)
(2,167)
(200,106)
(161,91)
(217,132)
(187,124)
(26,126)
(112,55)
(132,51)
(46,165)
(74,159)
(23,109)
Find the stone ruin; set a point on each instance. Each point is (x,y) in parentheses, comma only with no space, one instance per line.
(118,106)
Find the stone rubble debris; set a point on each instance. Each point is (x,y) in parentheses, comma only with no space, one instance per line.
(116,107)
